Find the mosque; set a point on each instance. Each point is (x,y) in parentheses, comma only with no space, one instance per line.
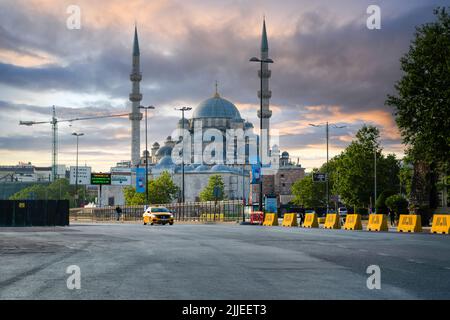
(218,115)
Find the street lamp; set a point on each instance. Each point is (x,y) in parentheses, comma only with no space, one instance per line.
(78,135)
(183,109)
(261,61)
(146,152)
(327,130)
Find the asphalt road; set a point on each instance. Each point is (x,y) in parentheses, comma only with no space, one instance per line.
(222,261)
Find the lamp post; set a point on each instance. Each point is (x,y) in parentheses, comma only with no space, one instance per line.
(183,109)
(327,131)
(146,152)
(261,61)
(78,135)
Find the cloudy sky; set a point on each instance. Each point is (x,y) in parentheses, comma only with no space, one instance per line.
(328,67)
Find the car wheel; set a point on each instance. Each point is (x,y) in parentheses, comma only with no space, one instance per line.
(164,224)
(151,223)
(171,223)
(145,224)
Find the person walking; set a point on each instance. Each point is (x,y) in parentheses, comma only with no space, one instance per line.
(119,212)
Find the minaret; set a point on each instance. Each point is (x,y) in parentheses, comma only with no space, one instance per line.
(266,93)
(135,98)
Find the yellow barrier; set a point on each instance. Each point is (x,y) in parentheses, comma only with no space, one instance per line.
(377,222)
(441,223)
(311,221)
(353,222)
(271,219)
(212,216)
(409,223)
(332,221)
(289,220)
(146,219)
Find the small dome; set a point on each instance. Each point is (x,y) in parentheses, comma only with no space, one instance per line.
(201,168)
(285,154)
(221,168)
(217,107)
(248,125)
(165,162)
(164,151)
(156,144)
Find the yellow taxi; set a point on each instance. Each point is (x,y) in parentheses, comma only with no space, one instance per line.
(157,215)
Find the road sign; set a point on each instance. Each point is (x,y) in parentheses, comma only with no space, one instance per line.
(100,178)
(84,175)
(319,177)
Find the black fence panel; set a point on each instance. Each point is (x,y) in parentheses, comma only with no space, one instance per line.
(21,213)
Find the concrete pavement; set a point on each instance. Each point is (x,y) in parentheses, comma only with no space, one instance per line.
(222,261)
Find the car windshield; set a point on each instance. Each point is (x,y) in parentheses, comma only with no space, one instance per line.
(160,210)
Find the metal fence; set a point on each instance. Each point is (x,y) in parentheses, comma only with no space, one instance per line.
(230,210)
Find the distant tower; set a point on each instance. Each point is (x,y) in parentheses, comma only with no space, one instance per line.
(266,93)
(135,98)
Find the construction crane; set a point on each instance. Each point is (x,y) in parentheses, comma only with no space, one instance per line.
(54,122)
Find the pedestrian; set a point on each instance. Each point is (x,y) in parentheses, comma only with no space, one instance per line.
(119,212)
(392,217)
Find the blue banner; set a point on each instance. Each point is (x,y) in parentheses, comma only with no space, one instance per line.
(271,205)
(140,180)
(256,174)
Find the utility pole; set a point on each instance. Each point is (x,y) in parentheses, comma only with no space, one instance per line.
(78,135)
(327,135)
(146,152)
(183,109)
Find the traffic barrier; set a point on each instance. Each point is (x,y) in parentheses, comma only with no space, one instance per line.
(146,219)
(332,221)
(377,222)
(212,216)
(270,220)
(290,220)
(353,222)
(409,223)
(441,223)
(256,217)
(311,221)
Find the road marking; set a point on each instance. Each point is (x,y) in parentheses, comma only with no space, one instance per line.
(383,254)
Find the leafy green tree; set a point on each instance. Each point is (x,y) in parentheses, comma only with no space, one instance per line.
(308,193)
(422,102)
(398,204)
(207,194)
(380,204)
(160,190)
(355,169)
(58,190)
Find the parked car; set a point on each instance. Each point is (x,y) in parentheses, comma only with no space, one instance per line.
(158,215)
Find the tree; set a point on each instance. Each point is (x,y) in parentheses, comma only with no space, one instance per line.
(57,190)
(380,204)
(354,169)
(160,190)
(308,193)
(207,194)
(398,204)
(422,103)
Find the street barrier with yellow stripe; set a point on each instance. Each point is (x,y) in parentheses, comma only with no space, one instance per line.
(441,223)
(353,222)
(289,220)
(332,221)
(377,222)
(409,223)
(271,219)
(311,221)
(212,216)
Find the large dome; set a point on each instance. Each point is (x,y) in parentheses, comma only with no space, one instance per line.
(217,107)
